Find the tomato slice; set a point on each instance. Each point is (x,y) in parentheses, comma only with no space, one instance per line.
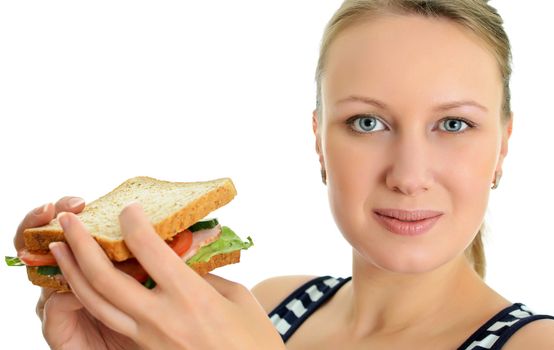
(32,259)
(181,242)
(133,269)
(180,245)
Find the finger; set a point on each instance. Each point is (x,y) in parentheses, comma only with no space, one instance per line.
(70,204)
(111,283)
(60,315)
(45,294)
(59,304)
(44,214)
(156,257)
(37,217)
(99,307)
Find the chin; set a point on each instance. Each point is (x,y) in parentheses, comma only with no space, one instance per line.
(412,262)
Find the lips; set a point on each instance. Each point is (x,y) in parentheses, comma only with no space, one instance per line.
(406,222)
(408,215)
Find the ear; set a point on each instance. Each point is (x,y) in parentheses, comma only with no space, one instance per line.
(506,133)
(317,133)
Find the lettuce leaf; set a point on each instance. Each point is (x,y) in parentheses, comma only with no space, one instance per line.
(227,242)
(13,261)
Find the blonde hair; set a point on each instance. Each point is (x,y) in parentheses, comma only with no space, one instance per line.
(475,15)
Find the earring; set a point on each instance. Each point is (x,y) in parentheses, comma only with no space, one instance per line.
(496,182)
(324,176)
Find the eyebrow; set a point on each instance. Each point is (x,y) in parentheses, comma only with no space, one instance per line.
(441,107)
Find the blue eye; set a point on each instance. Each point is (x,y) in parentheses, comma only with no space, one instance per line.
(364,124)
(455,125)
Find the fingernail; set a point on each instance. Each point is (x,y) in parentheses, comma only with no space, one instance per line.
(133,204)
(54,249)
(64,220)
(75,202)
(129,205)
(41,210)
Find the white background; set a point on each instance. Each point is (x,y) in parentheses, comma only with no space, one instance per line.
(92,93)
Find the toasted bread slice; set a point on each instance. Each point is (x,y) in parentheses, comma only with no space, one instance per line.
(171,206)
(58,283)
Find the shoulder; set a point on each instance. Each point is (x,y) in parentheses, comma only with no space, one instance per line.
(272,291)
(537,335)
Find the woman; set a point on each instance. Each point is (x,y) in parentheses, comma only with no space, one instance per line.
(412,126)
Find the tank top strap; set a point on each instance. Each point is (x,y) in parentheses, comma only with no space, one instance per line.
(303,302)
(497,331)
(289,315)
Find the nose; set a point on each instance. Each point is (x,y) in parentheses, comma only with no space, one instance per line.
(410,170)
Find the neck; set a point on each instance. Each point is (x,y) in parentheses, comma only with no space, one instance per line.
(382,302)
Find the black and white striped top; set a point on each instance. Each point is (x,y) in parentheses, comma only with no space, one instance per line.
(305,300)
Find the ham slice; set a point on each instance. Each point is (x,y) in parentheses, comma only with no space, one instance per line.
(200,239)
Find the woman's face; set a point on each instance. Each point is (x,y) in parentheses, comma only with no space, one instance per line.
(411,120)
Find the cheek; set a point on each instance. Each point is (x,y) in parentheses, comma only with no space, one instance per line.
(467,182)
(467,176)
(352,174)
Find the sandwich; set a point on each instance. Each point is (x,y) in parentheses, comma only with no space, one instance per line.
(177,211)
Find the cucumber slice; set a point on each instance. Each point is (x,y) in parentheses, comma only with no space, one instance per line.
(204,225)
(49,270)
(149,283)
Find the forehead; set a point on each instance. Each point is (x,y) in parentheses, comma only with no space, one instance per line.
(392,57)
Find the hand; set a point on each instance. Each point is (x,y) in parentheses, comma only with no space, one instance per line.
(184,311)
(65,322)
